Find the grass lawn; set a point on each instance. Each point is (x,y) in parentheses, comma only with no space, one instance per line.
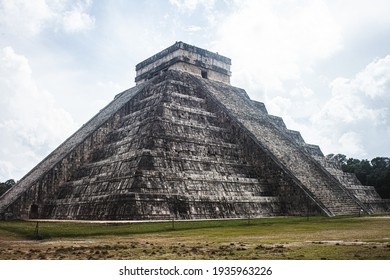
(267,238)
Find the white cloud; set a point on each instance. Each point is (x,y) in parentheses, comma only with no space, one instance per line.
(6,170)
(191,5)
(363,97)
(350,143)
(346,104)
(25,17)
(278,105)
(193,28)
(272,42)
(374,81)
(301,91)
(357,116)
(30,121)
(76,21)
(29,18)
(362,17)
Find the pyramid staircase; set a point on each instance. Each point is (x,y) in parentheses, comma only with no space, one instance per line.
(366,194)
(320,185)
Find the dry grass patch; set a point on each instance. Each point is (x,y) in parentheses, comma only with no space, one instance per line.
(277,238)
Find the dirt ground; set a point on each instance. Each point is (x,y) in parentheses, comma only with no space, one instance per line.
(360,241)
(163,248)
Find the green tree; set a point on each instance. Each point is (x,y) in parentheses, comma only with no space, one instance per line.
(380,176)
(6,186)
(372,173)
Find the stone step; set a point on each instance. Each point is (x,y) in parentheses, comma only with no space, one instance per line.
(178,96)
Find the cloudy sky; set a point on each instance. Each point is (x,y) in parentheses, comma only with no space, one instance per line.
(324,66)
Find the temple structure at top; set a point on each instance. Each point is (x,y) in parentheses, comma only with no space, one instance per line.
(187,58)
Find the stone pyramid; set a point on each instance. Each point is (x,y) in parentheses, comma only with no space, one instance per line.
(185,144)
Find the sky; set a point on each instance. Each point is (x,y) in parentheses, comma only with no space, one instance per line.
(323,66)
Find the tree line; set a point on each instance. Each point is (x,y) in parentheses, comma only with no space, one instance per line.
(375,172)
(6,185)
